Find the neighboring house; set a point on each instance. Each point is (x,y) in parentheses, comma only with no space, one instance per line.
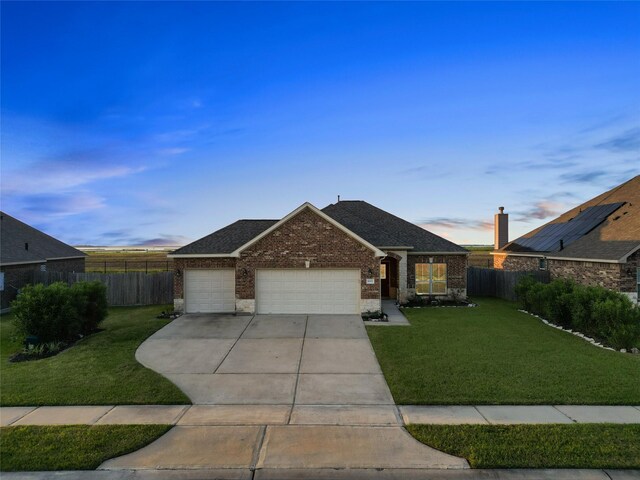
(596,243)
(24,250)
(341,259)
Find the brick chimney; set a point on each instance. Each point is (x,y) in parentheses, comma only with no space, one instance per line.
(501,229)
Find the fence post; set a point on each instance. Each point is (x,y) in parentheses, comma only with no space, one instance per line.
(105,267)
(146,266)
(125,266)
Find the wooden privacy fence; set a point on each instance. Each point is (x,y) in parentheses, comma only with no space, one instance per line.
(134,288)
(498,283)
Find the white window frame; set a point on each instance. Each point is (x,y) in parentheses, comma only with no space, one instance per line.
(430,280)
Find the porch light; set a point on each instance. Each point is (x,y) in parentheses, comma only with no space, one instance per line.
(178,272)
(430,259)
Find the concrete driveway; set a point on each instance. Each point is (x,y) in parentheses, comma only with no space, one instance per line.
(275,393)
(268,360)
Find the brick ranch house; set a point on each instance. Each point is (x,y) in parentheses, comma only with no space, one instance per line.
(596,243)
(341,259)
(24,250)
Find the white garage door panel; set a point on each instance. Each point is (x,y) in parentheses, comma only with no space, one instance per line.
(210,290)
(308,291)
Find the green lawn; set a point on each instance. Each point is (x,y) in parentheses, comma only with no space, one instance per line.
(493,354)
(537,446)
(71,447)
(99,370)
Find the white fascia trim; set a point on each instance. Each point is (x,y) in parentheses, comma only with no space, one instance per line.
(572,259)
(321,214)
(438,253)
(626,257)
(66,258)
(202,255)
(396,248)
(10,264)
(594,260)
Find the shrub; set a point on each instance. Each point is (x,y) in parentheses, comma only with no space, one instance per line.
(522,289)
(59,313)
(48,313)
(535,298)
(557,302)
(91,303)
(594,311)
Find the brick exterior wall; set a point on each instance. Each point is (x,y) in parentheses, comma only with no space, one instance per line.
(620,277)
(16,277)
(180,264)
(510,262)
(456,272)
(70,265)
(307,237)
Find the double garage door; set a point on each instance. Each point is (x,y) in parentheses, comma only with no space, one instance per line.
(277,291)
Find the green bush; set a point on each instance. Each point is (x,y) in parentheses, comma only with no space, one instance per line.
(59,313)
(48,313)
(522,288)
(557,303)
(91,302)
(595,311)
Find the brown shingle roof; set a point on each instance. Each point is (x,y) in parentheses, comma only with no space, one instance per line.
(613,239)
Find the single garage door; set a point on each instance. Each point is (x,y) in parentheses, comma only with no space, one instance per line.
(210,290)
(308,291)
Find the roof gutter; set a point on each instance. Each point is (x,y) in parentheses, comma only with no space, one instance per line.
(572,259)
(439,253)
(203,255)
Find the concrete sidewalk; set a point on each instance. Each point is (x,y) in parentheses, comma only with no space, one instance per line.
(345,415)
(331,474)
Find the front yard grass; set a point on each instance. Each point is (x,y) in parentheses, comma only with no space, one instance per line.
(493,354)
(71,447)
(98,370)
(536,446)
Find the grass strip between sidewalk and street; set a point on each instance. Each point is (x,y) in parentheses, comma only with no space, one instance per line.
(537,446)
(100,369)
(71,447)
(493,354)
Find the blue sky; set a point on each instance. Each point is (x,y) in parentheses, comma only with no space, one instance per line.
(147,123)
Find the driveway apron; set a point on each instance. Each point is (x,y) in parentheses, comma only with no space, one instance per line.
(277,391)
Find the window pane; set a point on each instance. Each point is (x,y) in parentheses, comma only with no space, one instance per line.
(439,271)
(439,288)
(422,272)
(383,271)
(422,288)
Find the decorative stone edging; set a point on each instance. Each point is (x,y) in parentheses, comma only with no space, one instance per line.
(444,306)
(592,341)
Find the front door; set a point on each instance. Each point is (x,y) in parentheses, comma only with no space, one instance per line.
(384,278)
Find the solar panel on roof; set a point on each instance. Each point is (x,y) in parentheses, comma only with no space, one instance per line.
(549,238)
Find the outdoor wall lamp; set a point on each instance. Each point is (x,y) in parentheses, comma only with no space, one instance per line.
(307,263)
(370,271)
(245,272)
(430,259)
(178,272)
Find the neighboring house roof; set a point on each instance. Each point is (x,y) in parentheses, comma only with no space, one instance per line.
(606,227)
(368,223)
(386,230)
(227,239)
(14,235)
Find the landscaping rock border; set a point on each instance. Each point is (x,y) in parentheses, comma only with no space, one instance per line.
(590,340)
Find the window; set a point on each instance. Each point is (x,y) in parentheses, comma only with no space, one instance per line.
(431,278)
(542,264)
(383,271)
